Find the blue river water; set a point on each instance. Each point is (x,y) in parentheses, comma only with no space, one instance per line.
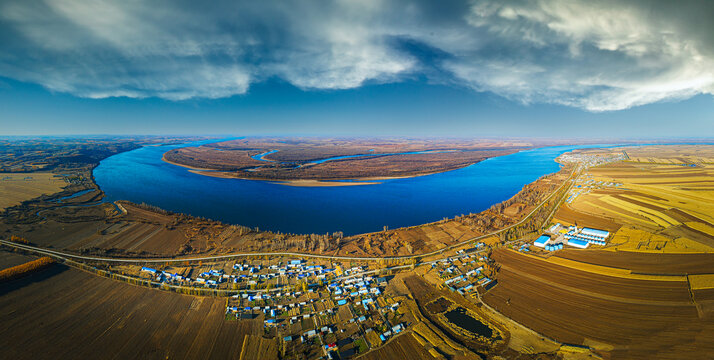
(141,176)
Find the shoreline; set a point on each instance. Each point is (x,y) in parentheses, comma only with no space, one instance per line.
(164,159)
(311,182)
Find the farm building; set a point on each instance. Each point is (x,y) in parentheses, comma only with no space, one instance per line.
(540,242)
(554,229)
(588,235)
(554,247)
(602,234)
(580,244)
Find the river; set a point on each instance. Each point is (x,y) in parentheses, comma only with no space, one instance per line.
(141,176)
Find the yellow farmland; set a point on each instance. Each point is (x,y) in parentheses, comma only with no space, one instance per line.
(666,192)
(654,215)
(701,282)
(18,187)
(631,239)
(705,228)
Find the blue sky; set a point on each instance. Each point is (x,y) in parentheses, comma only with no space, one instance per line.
(639,69)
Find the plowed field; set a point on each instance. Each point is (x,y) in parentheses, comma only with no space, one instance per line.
(72,314)
(625,318)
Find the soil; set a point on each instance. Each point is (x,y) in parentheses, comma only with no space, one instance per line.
(72,314)
(621,317)
(438,306)
(648,263)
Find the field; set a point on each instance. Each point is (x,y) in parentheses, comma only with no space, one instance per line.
(18,187)
(256,347)
(404,346)
(10,259)
(619,316)
(660,200)
(298,158)
(643,262)
(667,154)
(66,313)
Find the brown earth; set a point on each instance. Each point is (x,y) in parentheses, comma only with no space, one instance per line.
(256,347)
(10,259)
(402,347)
(72,314)
(567,214)
(649,263)
(622,318)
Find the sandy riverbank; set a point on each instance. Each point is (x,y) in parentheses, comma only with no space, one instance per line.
(305,182)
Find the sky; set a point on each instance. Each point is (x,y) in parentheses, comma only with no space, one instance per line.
(635,69)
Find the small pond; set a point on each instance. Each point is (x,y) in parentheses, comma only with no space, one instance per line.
(460,318)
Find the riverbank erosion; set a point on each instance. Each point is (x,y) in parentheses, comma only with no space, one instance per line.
(334,159)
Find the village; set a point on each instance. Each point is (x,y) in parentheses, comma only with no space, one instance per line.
(309,305)
(318,306)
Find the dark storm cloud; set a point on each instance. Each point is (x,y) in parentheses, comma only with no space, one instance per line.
(596,55)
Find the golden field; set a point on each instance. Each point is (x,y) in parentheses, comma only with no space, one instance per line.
(18,187)
(662,199)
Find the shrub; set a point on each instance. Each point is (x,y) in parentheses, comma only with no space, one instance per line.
(24,269)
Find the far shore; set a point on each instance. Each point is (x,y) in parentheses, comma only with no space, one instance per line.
(372,180)
(295,182)
(163,158)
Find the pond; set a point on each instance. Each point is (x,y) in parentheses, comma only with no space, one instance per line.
(460,318)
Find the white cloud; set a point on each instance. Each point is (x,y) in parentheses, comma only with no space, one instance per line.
(596,55)
(618,55)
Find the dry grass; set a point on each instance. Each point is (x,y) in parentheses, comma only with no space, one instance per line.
(632,239)
(701,282)
(427,334)
(374,339)
(18,187)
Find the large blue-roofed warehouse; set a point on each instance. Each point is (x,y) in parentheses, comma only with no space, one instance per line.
(578,243)
(581,238)
(540,242)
